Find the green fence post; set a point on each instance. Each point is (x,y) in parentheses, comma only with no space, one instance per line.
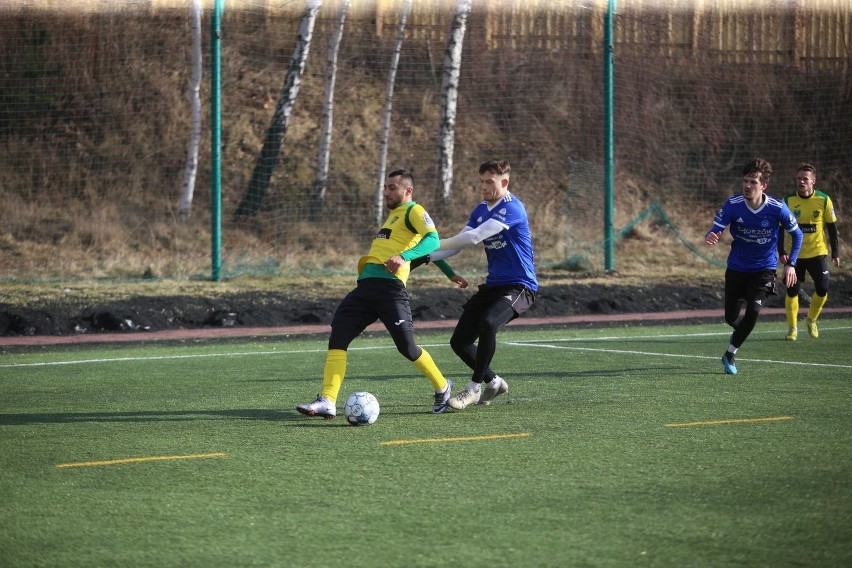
(609,141)
(216,142)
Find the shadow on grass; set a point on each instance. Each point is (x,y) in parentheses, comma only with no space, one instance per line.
(292,418)
(148,416)
(288,414)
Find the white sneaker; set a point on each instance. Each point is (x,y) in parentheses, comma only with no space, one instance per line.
(494,388)
(441,398)
(464,399)
(320,407)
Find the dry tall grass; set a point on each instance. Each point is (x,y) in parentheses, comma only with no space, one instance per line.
(93,123)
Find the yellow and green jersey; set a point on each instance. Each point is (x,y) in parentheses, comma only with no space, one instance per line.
(812,213)
(408,231)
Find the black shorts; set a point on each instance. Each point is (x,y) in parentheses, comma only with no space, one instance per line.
(749,285)
(817,267)
(373,299)
(519,297)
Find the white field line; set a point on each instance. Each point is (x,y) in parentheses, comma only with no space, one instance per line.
(194,356)
(670,335)
(539,343)
(674,355)
(154,358)
(545,344)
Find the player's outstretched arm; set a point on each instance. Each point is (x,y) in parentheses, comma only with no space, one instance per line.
(470,237)
(443,265)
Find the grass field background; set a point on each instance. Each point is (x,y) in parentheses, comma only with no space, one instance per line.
(614,447)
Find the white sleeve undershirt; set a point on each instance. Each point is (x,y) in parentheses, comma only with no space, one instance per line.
(467,238)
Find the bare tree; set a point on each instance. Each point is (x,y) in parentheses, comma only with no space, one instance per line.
(321,181)
(383,145)
(268,159)
(449,95)
(195,104)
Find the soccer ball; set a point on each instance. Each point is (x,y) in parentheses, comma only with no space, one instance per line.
(361,409)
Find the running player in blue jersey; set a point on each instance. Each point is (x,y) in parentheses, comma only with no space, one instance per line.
(380,294)
(815,214)
(753,218)
(500,222)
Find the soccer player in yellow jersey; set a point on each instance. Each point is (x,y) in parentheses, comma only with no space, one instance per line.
(380,294)
(815,213)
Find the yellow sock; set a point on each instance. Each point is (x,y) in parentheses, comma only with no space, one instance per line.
(791,305)
(333,373)
(427,367)
(817,302)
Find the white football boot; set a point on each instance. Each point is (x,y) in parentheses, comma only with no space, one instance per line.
(464,399)
(320,407)
(494,388)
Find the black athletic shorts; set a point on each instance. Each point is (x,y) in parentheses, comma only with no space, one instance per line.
(749,285)
(817,267)
(518,296)
(373,299)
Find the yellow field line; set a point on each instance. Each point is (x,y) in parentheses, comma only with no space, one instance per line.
(462,439)
(734,421)
(137,460)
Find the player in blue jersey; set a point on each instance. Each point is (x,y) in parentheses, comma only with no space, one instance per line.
(753,218)
(500,222)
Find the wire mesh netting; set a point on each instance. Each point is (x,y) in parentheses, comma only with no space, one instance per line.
(95,123)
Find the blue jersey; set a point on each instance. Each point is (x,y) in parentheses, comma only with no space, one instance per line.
(510,252)
(755,232)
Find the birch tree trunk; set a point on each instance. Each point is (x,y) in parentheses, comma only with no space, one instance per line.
(321,181)
(449,96)
(268,159)
(383,145)
(195,104)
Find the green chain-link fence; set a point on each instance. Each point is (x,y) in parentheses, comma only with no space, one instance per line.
(95,124)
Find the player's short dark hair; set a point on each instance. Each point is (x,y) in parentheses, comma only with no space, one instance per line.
(498,167)
(806,167)
(758,166)
(406,176)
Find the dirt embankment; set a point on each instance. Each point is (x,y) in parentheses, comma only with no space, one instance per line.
(259,309)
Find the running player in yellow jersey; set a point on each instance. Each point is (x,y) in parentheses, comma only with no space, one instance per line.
(380,294)
(815,213)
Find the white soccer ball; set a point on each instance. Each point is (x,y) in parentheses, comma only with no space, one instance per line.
(361,409)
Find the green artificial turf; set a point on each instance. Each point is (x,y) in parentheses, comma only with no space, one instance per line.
(614,447)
